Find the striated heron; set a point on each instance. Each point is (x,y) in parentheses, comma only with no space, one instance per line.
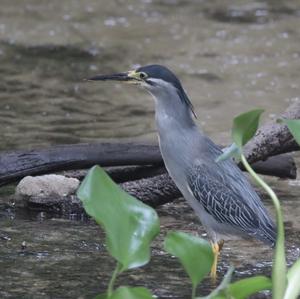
(219,193)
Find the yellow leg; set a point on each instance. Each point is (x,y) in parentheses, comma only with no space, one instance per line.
(216,247)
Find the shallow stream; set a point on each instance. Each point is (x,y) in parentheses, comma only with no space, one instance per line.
(230,58)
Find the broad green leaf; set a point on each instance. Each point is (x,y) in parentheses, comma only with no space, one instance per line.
(129,224)
(242,289)
(294,127)
(195,254)
(131,293)
(231,151)
(245,126)
(293,287)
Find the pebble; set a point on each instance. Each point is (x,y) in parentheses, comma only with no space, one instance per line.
(47,186)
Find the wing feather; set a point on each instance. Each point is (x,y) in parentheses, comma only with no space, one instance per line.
(220,201)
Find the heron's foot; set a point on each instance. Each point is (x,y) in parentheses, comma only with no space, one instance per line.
(216,247)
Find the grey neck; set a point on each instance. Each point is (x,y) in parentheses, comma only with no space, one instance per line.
(179,137)
(170,110)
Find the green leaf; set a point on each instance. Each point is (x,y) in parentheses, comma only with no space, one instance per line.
(294,127)
(101,296)
(242,289)
(129,224)
(131,293)
(231,151)
(245,126)
(221,291)
(195,254)
(293,287)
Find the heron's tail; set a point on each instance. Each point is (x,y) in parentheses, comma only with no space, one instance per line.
(268,233)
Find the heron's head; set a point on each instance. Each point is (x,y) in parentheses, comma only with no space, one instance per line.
(157,79)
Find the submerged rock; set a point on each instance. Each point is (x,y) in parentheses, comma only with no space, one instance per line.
(51,185)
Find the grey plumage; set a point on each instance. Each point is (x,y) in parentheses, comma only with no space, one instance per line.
(230,199)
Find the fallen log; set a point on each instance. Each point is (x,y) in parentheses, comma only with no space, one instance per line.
(121,174)
(273,138)
(153,191)
(282,166)
(18,164)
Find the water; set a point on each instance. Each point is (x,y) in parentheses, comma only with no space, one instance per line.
(230,58)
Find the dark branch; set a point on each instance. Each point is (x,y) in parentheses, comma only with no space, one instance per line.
(273,138)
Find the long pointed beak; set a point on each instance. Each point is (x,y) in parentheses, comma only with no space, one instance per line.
(113,77)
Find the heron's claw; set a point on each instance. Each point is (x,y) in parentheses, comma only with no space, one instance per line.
(216,248)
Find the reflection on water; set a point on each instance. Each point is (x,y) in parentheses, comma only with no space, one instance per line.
(230,58)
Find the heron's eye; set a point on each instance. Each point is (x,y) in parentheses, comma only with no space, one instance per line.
(143,75)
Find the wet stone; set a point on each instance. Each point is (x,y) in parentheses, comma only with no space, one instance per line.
(51,185)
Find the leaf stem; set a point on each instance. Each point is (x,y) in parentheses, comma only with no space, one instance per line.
(279,269)
(110,287)
(194,292)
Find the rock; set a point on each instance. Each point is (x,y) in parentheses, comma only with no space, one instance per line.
(51,185)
